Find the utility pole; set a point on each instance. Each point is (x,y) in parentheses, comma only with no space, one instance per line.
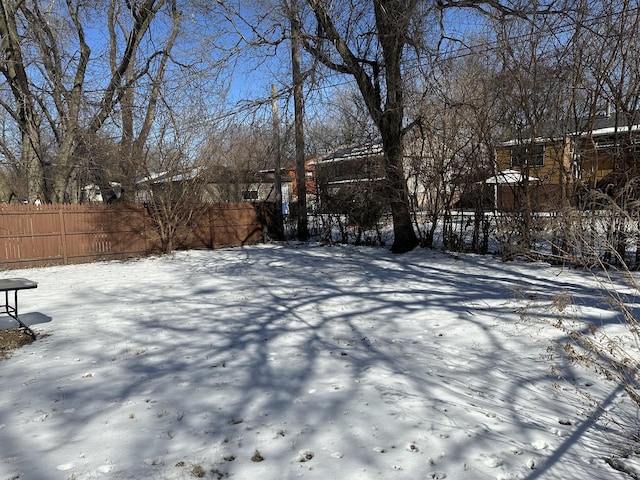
(298,79)
(278,233)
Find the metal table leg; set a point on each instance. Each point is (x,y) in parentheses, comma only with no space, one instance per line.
(12,311)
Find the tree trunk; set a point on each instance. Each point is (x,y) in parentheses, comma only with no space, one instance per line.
(298,102)
(27,118)
(30,161)
(404,236)
(392,25)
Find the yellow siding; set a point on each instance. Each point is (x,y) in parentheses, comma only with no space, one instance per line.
(557,164)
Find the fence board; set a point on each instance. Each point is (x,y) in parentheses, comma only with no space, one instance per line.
(63,234)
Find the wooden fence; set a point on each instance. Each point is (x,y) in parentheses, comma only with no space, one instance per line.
(32,236)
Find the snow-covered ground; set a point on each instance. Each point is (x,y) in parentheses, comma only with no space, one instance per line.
(291,361)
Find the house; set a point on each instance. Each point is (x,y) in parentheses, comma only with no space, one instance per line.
(349,181)
(171,184)
(311,187)
(540,171)
(263,187)
(227,185)
(353,164)
(609,150)
(553,171)
(354,174)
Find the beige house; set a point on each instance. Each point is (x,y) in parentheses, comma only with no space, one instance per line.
(541,170)
(554,171)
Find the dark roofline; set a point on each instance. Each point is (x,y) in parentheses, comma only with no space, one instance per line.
(352,153)
(598,125)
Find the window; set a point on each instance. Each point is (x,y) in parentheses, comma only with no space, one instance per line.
(250,195)
(522,155)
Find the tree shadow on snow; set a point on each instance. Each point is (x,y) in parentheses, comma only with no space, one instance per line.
(270,339)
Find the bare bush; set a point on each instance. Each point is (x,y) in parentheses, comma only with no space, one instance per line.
(172,188)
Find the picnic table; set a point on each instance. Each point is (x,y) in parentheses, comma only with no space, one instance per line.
(14,285)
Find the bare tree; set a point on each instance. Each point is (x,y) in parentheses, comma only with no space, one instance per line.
(611,163)
(139,80)
(24,109)
(298,79)
(371,43)
(377,71)
(172,185)
(343,121)
(453,108)
(54,96)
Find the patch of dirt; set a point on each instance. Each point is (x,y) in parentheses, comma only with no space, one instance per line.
(13,339)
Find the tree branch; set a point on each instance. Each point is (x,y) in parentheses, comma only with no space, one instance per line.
(351,64)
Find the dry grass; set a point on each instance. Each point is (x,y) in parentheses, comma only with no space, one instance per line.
(12,339)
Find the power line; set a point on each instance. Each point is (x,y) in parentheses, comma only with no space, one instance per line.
(551,30)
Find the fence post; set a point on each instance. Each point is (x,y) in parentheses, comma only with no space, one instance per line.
(145,219)
(63,237)
(212,230)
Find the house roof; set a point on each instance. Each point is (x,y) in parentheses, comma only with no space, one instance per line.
(350,153)
(355,180)
(610,130)
(595,126)
(608,123)
(170,176)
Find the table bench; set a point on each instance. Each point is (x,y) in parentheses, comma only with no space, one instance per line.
(15,285)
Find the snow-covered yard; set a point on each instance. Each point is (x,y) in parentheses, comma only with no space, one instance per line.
(282,362)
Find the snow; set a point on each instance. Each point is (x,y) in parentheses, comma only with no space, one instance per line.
(321,362)
(510,177)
